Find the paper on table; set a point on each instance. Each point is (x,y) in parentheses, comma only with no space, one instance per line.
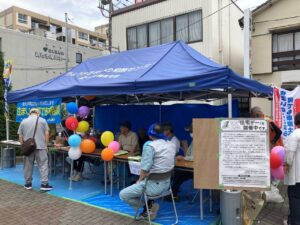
(135,158)
(121,152)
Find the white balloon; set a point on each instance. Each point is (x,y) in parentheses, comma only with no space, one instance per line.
(74,153)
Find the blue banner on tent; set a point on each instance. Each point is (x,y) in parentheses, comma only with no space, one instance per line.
(50,109)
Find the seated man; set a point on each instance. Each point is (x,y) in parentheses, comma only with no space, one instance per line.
(181,176)
(158,157)
(169,133)
(128,140)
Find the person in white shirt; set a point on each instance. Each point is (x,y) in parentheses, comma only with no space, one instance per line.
(292,172)
(169,133)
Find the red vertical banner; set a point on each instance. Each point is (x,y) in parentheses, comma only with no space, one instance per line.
(277,114)
(296,106)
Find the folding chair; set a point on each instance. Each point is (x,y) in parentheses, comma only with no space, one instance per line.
(157,177)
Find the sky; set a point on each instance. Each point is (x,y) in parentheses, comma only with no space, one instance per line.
(83,13)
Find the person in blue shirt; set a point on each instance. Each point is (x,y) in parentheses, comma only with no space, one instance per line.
(157,157)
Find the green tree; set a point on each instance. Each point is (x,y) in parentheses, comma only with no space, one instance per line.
(12,112)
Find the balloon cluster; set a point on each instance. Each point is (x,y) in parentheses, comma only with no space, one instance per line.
(276,162)
(112,147)
(87,145)
(76,143)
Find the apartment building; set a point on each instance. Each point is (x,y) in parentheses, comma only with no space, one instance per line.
(275,45)
(211,27)
(16,18)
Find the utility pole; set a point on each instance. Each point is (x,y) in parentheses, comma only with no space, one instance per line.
(107,13)
(247,42)
(67,44)
(110,26)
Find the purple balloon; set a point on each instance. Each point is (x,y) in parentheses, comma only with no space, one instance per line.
(278,173)
(83,111)
(279,150)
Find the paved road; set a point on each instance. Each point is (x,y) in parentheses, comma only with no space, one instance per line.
(274,214)
(22,207)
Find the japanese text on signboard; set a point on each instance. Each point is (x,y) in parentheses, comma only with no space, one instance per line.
(50,110)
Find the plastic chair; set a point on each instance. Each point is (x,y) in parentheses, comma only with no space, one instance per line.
(157,177)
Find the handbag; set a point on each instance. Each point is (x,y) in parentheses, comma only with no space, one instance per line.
(29,145)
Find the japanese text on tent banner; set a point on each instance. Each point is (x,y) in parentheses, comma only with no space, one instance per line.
(50,109)
(286,105)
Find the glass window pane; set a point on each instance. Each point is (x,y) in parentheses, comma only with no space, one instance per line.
(142,36)
(167,31)
(285,42)
(275,43)
(195,26)
(154,33)
(297,43)
(131,38)
(182,31)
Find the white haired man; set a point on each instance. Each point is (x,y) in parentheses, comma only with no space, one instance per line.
(41,137)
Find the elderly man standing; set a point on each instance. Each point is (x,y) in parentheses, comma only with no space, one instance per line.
(26,131)
(292,172)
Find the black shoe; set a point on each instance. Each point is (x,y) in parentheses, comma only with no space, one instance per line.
(46,187)
(28,186)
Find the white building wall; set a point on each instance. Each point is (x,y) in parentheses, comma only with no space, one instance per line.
(29,68)
(221,27)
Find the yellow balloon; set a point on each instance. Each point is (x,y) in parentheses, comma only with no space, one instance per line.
(83,126)
(107,137)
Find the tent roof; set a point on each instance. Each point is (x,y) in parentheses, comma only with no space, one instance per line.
(167,68)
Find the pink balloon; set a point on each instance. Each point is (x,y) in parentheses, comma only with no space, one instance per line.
(278,173)
(279,150)
(115,146)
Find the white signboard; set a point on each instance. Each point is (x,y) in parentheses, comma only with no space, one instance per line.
(244,159)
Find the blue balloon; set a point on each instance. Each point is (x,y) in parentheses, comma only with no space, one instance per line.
(74,140)
(72,107)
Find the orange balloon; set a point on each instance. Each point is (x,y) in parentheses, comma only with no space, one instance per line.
(107,154)
(87,146)
(89,97)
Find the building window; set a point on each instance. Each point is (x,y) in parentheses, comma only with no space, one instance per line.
(154,33)
(286,51)
(186,27)
(131,38)
(78,57)
(22,18)
(141,32)
(83,36)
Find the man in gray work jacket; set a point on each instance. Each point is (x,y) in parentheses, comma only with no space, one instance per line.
(26,131)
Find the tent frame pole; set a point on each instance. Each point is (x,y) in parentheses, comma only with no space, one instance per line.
(229,96)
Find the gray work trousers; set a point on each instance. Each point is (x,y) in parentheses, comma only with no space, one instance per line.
(41,157)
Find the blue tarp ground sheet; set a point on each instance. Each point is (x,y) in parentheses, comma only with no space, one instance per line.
(142,116)
(91,191)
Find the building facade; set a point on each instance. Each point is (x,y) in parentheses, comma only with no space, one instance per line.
(276,43)
(37,59)
(275,46)
(208,26)
(16,18)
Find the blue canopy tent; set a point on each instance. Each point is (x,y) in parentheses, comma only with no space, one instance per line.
(172,71)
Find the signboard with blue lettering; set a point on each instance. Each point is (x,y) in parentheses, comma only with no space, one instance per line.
(50,109)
